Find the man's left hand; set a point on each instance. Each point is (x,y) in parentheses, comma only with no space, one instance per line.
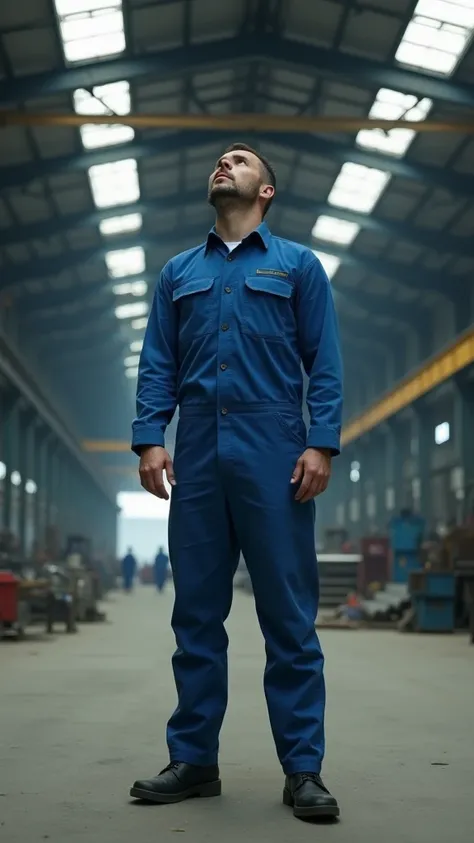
(312,471)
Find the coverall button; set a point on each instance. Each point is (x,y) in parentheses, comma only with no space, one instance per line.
(229,257)
(224,411)
(225,326)
(223,366)
(228,289)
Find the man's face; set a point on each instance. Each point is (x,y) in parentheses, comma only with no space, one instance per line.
(237,174)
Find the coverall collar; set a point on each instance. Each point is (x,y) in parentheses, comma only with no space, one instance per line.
(261,233)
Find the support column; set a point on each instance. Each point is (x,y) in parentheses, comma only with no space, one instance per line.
(9,446)
(464,433)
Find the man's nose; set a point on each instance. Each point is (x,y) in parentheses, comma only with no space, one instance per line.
(225,164)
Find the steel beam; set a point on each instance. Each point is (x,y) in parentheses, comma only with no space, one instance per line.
(285,200)
(20,175)
(181,61)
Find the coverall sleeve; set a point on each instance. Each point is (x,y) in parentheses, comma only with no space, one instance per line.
(157,371)
(321,357)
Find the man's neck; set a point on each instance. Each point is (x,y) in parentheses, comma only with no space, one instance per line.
(233,224)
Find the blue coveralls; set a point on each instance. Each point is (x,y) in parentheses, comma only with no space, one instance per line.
(129,567)
(225,340)
(161,570)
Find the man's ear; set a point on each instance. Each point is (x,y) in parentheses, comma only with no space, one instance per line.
(267,192)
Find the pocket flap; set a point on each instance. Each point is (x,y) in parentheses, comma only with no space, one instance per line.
(191,286)
(267,284)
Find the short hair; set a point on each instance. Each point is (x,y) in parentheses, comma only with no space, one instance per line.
(267,168)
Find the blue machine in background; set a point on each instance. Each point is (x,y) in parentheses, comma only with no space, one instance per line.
(432,594)
(406,535)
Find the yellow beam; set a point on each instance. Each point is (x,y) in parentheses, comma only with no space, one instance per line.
(105,446)
(437,370)
(236,122)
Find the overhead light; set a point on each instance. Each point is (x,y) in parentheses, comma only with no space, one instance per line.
(131,373)
(437,35)
(15,478)
(335,230)
(3,471)
(132,360)
(393,105)
(131,288)
(330,263)
(354,475)
(105,99)
(129,311)
(30,487)
(358,187)
(115,183)
(90,28)
(139,324)
(123,262)
(118,225)
(136,345)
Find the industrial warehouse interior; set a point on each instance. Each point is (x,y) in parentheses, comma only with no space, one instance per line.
(113,114)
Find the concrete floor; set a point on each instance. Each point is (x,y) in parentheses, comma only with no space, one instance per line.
(82,716)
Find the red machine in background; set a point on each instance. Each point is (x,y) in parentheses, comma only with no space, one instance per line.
(375,564)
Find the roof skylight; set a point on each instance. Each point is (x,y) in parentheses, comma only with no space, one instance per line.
(105,99)
(123,262)
(335,230)
(131,372)
(90,28)
(131,288)
(115,183)
(330,263)
(132,360)
(358,188)
(139,324)
(130,311)
(393,105)
(437,35)
(118,225)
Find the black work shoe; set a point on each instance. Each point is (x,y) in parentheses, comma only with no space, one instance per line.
(309,798)
(178,781)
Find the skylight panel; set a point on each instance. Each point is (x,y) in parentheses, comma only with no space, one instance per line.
(139,324)
(130,311)
(437,35)
(118,225)
(330,263)
(115,183)
(90,28)
(132,360)
(358,188)
(136,346)
(335,230)
(105,99)
(131,288)
(122,262)
(393,105)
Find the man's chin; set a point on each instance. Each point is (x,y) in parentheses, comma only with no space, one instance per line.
(222,191)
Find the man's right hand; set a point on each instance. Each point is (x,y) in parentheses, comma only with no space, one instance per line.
(153,461)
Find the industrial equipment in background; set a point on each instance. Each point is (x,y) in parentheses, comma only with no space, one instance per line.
(47,591)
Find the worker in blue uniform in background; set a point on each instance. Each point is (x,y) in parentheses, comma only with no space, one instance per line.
(129,569)
(161,569)
(231,323)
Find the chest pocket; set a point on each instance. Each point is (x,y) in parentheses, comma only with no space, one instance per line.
(197,307)
(267,310)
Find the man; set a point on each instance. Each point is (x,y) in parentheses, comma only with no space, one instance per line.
(231,322)
(161,569)
(129,569)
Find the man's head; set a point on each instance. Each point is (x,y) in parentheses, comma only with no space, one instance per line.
(242,177)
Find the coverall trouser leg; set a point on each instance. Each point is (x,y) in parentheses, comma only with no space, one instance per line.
(233,492)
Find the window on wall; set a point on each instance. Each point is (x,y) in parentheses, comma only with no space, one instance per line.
(390,498)
(442,433)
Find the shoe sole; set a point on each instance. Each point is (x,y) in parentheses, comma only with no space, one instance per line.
(316,812)
(203,790)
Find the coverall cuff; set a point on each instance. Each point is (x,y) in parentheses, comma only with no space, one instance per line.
(324,437)
(147,436)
